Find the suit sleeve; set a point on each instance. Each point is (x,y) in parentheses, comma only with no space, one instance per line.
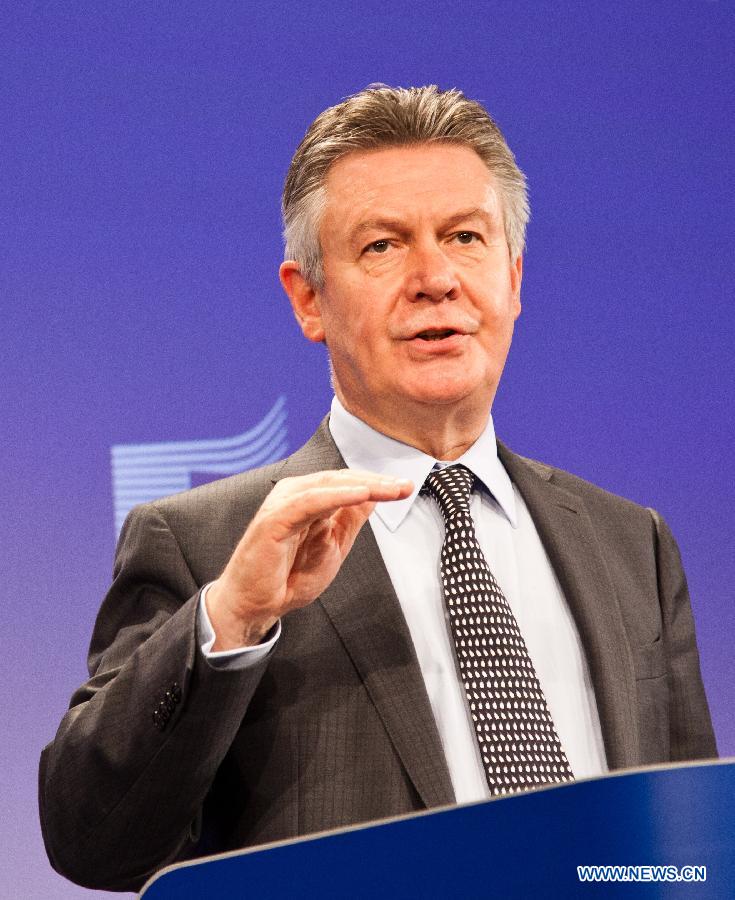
(123,782)
(691,734)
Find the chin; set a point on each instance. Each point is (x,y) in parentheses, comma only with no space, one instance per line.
(476,388)
(443,393)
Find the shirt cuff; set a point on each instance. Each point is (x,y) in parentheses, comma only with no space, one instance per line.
(239,658)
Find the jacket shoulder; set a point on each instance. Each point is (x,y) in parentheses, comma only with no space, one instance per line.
(206,522)
(241,494)
(221,497)
(593,496)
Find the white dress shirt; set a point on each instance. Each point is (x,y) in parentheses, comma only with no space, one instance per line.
(409,534)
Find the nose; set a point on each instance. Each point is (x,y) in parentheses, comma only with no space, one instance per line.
(432,275)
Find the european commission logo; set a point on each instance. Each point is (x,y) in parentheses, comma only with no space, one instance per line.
(144,472)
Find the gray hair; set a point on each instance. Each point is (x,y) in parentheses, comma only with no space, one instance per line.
(379,117)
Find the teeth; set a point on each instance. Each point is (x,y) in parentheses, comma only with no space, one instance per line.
(434,335)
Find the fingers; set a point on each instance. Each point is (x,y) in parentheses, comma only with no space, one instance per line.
(344,477)
(298,502)
(294,547)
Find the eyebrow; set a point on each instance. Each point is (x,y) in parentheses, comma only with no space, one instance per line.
(399,227)
(477,212)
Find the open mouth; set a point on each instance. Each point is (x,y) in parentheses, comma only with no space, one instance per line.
(434,334)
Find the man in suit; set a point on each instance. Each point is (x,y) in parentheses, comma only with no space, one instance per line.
(284,651)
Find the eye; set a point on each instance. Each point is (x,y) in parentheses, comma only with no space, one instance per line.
(466,237)
(377,247)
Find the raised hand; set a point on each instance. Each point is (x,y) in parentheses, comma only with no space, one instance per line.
(292,550)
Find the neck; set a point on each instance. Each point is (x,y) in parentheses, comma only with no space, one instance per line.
(443,431)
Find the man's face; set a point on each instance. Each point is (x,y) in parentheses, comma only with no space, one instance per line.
(419,296)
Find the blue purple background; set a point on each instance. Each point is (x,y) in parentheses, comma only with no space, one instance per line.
(142,151)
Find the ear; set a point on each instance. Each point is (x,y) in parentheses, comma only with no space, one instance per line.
(516,276)
(304,300)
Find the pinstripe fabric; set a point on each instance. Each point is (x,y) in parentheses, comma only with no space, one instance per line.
(335,728)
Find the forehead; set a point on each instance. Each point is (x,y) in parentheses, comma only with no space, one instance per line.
(407,182)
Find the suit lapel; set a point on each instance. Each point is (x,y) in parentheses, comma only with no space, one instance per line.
(364,610)
(568,535)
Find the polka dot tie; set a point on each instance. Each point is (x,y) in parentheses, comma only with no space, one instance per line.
(519,746)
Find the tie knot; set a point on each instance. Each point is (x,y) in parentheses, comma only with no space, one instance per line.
(451,488)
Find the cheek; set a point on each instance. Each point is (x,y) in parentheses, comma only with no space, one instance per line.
(498,316)
(365,316)
(500,300)
(352,328)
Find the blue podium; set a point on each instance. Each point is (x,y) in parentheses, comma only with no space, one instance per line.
(660,832)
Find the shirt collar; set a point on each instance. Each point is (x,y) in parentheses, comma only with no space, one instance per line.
(362,447)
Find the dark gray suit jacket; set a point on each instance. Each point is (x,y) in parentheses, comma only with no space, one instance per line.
(335,728)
